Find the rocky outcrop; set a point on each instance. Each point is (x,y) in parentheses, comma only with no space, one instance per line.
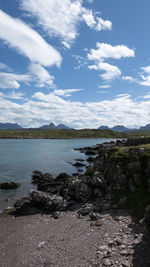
(116,168)
(9,185)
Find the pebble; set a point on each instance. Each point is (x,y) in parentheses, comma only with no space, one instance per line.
(107,262)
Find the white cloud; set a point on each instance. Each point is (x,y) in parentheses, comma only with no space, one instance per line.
(42,77)
(111,72)
(61,18)
(129,79)
(46,108)
(95,23)
(11,80)
(15,95)
(66,92)
(104,51)
(27,41)
(145,76)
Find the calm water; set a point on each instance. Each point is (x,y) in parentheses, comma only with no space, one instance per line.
(18,158)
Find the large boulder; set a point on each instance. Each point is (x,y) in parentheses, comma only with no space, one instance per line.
(53,185)
(24,206)
(47,202)
(9,185)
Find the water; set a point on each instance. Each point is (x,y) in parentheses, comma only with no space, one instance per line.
(18,158)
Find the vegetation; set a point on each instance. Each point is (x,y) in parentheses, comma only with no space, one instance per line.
(139,200)
(84,133)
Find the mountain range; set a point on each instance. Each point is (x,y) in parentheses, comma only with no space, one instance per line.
(16,126)
(52,126)
(122,128)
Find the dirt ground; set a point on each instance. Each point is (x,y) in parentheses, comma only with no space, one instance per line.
(41,241)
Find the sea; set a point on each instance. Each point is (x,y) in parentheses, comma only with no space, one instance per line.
(19,157)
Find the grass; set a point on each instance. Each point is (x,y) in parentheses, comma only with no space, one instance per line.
(84,133)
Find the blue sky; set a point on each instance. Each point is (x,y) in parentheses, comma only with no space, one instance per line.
(82,63)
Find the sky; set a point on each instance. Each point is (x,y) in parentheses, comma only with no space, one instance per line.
(83,63)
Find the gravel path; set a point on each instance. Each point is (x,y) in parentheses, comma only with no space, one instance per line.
(41,241)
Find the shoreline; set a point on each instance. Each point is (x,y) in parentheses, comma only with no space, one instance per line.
(76,218)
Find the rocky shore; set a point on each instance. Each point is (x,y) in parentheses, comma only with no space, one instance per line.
(107,206)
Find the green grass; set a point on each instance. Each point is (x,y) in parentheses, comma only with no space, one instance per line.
(84,133)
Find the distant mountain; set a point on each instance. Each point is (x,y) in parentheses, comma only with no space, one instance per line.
(120,128)
(104,128)
(10,126)
(145,128)
(52,126)
(62,126)
(117,128)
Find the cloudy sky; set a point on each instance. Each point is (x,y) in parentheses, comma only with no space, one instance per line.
(83,63)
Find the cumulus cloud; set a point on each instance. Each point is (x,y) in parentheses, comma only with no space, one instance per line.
(106,51)
(61,18)
(95,23)
(111,72)
(11,80)
(27,42)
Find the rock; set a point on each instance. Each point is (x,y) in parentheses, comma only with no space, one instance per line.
(90,153)
(47,202)
(98,223)
(103,248)
(24,207)
(124,252)
(36,176)
(83,192)
(50,185)
(84,211)
(126,264)
(9,185)
(81,160)
(78,164)
(56,214)
(90,159)
(107,262)
(94,217)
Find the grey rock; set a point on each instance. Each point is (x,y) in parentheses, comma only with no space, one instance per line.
(56,214)
(47,202)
